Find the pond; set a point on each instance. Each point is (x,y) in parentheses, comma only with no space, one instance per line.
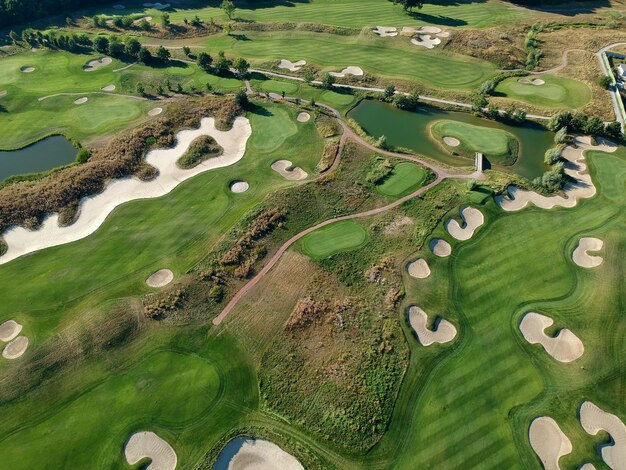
(410,129)
(229,451)
(49,153)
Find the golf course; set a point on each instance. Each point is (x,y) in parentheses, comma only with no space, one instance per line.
(241,235)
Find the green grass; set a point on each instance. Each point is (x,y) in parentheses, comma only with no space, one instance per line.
(557,92)
(404,178)
(335,238)
(497,144)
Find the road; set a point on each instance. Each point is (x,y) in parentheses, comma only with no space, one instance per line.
(615,97)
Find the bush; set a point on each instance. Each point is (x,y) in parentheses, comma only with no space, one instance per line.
(83,155)
(561,136)
(605,82)
(553,155)
(381,169)
(201,149)
(406,102)
(487,87)
(328,81)
(552,180)
(241,98)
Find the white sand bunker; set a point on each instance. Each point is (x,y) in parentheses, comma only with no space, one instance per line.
(303,117)
(157,6)
(108,88)
(155,112)
(3,93)
(82,100)
(141,20)
(440,247)
(160,278)
(292,66)
(385,31)
(426,40)
(142,445)
(352,70)
(451,141)
(286,169)
(472,219)
(118,7)
(419,269)
(593,419)
(548,442)
(587,466)
(564,347)
(93,65)
(532,81)
(95,209)
(239,187)
(15,348)
(575,167)
(27,69)
(258,454)
(582,258)
(9,330)
(444,331)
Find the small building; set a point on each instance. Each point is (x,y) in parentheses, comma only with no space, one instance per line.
(621,69)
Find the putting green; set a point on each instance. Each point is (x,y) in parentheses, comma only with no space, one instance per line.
(496,144)
(557,92)
(337,237)
(404,178)
(275,86)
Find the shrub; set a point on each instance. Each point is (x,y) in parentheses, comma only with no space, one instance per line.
(328,81)
(406,102)
(381,169)
(605,82)
(83,155)
(553,155)
(561,136)
(201,149)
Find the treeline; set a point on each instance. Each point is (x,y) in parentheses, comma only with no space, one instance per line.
(14,12)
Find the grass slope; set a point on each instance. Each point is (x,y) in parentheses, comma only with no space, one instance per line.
(557,92)
(334,238)
(404,178)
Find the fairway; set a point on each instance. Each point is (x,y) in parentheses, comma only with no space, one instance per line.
(557,92)
(404,178)
(337,237)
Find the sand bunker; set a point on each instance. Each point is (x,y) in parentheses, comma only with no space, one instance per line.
(451,141)
(258,454)
(142,445)
(419,269)
(440,247)
(27,69)
(472,219)
(587,466)
(286,169)
(3,93)
(425,36)
(108,88)
(82,100)
(303,117)
(582,258)
(160,278)
(155,111)
(157,6)
(95,209)
(444,331)
(352,70)
(548,442)
(15,348)
(575,167)
(532,81)
(239,187)
(119,7)
(93,65)
(426,40)
(141,20)
(9,330)
(593,419)
(292,66)
(564,347)
(385,31)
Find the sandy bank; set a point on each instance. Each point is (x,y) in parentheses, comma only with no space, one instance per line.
(303,117)
(15,348)
(26,69)
(532,81)
(94,65)
(9,330)
(143,445)
(419,269)
(239,187)
(352,70)
(472,220)
(108,88)
(385,31)
(155,112)
(444,331)
(286,169)
(82,100)
(440,247)
(160,278)
(582,258)
(451,141)
(548,442)
(291,66)
(593,420)
(258,454)
(564,347)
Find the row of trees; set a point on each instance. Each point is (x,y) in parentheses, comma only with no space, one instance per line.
(68,42)
(584,124)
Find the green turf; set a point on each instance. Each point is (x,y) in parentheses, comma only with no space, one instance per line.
(404,178)
(557,92)
(496,144)
(337,237)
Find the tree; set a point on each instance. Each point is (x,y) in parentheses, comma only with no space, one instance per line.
(97,21)
(228,28)
(553,155)
(165,20)
(479,101)
(144,56)
(69,21)
(328,81)
(241,98)
(229,8)
(101,44)
(160,90)
(409,5)
(613,129)
(14,37)
(186,51)
(381,143)
(163,54)
(118,22)
(605,82)
(116,48)
(83,155)
(402,101)
(141,89)
(204,61)
(309,76)
(179,88)
(313,103)
(241,65)
(487,87)
(209,87)
(223,64)
(133,47)
(390,91)
(561,135)
(594,126)
(145,25)
(196,22)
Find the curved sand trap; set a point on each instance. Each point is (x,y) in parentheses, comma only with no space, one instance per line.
(444,331)
(142,445)
(82,100)
(94,210)
(419,269)
(27,69)
(352,70)
(593,419)
(9,330)
(548,442)
(155,112)
(303,117)
(140,20)
(239,187)
(451,141)
(292,66)
(564,347)
(3,93)
(93,65)
(426,40)
(582,258)
(160,278)
(532,81)
(118,7)
(385,31)
(588,466)
(259,454)
(157,6)
(575,167)
(440,247)
(286,169)
(108,88)
(15,348)
(472,219)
